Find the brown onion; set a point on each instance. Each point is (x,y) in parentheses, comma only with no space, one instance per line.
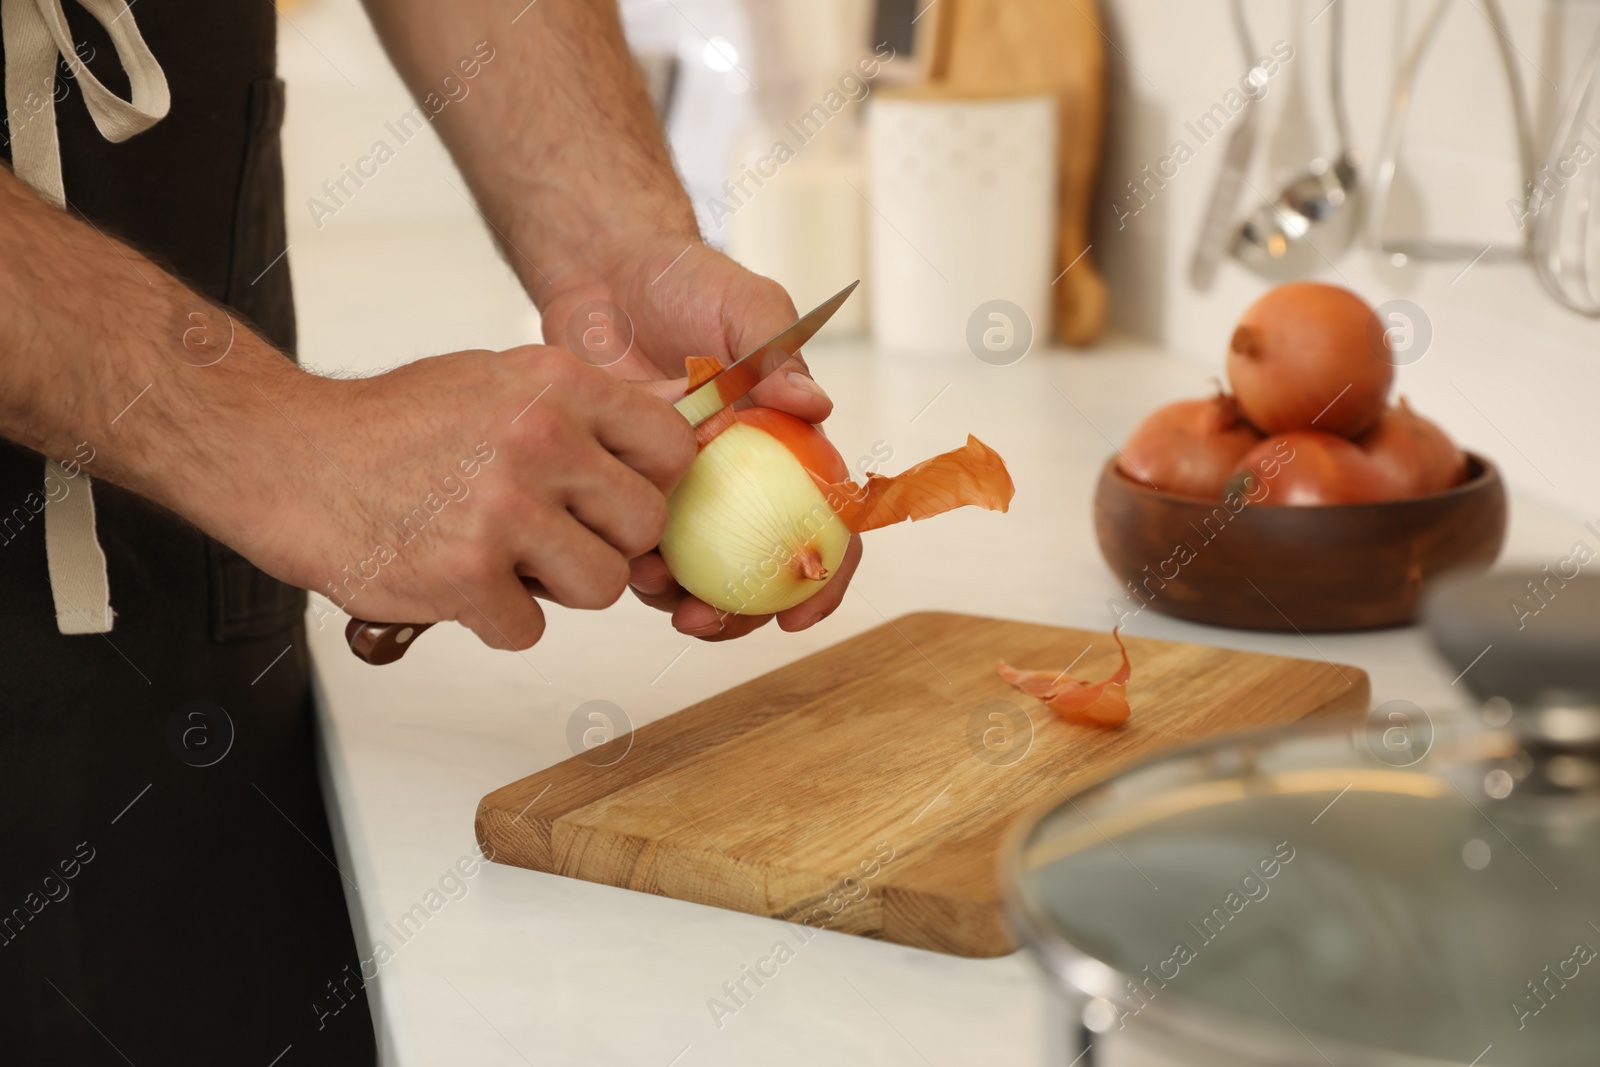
(1309,356)
(1313,468)
(1189,447)
(1415,452)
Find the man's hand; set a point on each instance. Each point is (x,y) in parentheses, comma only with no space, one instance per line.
(557,139)
(679,299)
(458,486)
(449,488)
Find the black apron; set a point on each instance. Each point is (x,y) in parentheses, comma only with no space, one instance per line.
(168,893)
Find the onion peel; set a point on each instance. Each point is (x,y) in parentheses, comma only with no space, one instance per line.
(701,369)
(1103,703)
(972,474)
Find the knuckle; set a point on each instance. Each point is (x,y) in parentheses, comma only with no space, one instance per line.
(481,630)
(498,501)
(648,521)
(604,587)
(762,289)
(506,628)
(541,361)
(615,582)
(540,429)
(525,631)
(542,382)
(524,368)
(679,447)
(564,372)
(471,566)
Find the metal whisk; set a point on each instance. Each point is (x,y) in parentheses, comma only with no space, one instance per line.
(1561,201)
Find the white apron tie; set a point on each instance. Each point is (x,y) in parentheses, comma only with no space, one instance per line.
(36,33)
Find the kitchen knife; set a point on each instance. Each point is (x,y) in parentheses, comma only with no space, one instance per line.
(743,375)
(384,642)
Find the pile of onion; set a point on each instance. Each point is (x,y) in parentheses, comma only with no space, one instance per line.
(1310,368)
(762,519)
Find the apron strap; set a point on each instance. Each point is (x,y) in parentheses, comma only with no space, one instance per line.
(36,35)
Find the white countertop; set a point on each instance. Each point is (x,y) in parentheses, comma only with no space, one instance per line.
(525,967)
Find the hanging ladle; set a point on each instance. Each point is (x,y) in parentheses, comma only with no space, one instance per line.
(1316,216)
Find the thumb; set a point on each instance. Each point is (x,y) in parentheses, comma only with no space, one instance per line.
(768,309)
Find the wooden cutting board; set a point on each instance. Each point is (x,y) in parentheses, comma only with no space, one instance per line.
(869,788)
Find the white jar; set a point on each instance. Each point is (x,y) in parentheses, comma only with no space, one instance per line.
(962,213)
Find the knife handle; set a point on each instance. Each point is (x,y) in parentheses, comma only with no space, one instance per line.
(381,642)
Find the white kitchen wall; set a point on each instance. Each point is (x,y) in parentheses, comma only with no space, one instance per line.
(1509,372)
(412,214)
(343,96)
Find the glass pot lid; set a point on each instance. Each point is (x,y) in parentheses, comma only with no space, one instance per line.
(1390,892)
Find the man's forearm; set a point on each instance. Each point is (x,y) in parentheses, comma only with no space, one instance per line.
(555,134)
(102,353)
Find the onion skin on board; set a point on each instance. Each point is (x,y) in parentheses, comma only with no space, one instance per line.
(762,519)
(1103,703)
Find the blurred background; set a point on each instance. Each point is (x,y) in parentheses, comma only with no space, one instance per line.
(1093,186)
(966,151)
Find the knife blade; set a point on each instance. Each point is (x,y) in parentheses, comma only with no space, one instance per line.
(384,642)
(744,374)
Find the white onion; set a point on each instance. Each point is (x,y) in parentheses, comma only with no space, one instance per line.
(745,524)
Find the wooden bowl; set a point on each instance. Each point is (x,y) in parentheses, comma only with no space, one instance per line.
(1273,567)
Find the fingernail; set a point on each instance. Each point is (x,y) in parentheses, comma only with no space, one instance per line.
(652,588)
(705,629)
(805,383)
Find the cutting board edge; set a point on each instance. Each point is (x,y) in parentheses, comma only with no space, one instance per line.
(489,823)
(985,933)
(1357,700)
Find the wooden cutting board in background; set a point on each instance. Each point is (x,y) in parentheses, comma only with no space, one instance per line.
(989,46)
(874,772)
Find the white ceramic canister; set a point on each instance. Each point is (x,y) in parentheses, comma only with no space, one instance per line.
(961,195)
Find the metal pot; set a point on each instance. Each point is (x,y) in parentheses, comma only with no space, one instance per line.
(1406,891)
